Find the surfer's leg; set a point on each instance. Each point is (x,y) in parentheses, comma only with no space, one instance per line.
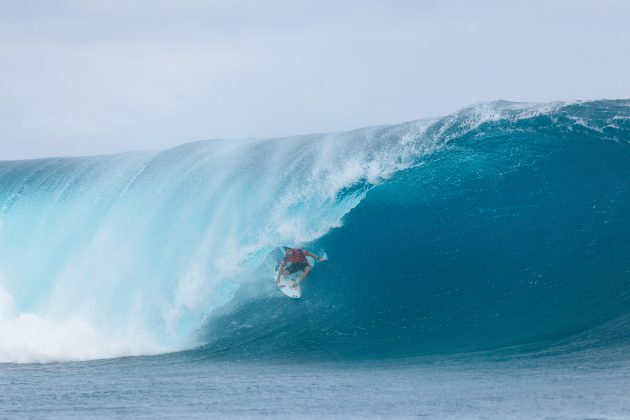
(307,270)
(283,273)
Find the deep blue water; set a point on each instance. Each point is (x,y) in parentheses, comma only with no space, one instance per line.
(516,232)
(500,231)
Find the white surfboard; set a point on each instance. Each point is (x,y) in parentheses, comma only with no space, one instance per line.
(289,285)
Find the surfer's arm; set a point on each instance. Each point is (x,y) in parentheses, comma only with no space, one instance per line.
(310,254)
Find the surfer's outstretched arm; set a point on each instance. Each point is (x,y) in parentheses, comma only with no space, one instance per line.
(317,257)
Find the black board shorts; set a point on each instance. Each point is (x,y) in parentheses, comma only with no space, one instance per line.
(294,267)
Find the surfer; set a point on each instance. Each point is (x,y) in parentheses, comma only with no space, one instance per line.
(297,258)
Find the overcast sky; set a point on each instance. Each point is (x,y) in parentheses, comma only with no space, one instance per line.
(100,76)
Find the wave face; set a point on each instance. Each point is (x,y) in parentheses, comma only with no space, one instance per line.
(502,224)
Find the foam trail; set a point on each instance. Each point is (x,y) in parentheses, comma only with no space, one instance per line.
(28,337)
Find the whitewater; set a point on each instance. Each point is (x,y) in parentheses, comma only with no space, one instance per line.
(128,254)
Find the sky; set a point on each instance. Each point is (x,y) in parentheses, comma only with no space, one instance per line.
(85,77)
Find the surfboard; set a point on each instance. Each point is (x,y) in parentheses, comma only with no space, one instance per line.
(289,285)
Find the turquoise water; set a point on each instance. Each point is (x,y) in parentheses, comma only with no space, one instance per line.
(501,229)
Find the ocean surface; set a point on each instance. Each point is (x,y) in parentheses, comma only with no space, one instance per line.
(478,267)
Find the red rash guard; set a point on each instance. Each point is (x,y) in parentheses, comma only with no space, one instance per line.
(297,256)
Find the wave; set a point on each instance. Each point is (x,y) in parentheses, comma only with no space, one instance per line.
(501,224)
